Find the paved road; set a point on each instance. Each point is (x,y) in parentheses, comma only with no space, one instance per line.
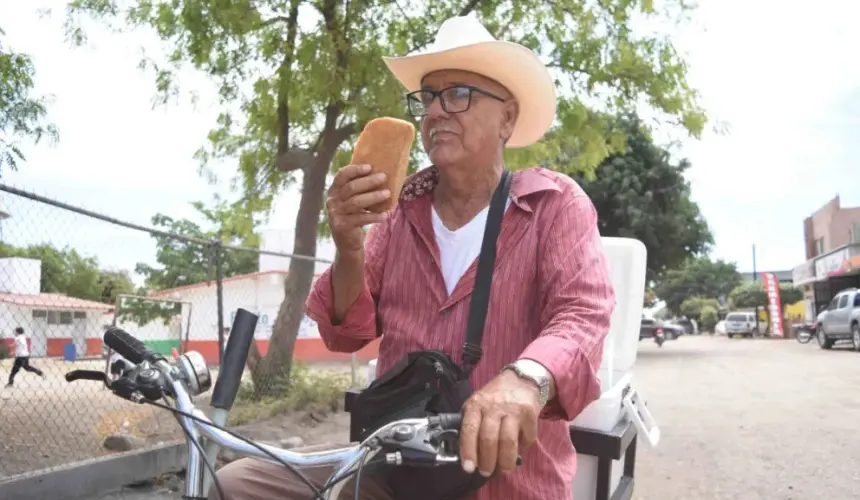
(742,420)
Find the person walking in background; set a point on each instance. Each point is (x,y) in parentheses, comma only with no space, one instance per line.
(22,357)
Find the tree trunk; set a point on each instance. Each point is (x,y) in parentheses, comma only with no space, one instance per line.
(270,374)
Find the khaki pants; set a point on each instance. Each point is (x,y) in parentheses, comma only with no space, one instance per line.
(251,479)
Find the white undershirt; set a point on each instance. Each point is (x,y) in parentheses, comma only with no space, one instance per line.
(459,249)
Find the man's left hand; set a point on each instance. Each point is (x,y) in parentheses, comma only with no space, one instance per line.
(496,420)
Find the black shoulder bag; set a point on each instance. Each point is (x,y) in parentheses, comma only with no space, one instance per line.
(428,382)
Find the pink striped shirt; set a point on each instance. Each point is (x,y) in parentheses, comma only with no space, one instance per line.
(551,301)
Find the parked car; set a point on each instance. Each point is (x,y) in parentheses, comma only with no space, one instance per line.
(649,328)
(840,321)
(741,323)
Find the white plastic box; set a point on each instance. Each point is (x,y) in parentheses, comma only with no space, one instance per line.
(627,263)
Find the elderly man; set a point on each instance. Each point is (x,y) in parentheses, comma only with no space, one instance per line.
(410,279)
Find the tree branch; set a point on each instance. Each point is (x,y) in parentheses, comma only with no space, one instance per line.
(286,76)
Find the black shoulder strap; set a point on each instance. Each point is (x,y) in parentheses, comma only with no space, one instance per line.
(472,350)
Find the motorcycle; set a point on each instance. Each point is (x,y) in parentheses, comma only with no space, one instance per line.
(659,338)
(804,332)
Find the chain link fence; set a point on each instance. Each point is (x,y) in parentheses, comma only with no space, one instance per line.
(61,288)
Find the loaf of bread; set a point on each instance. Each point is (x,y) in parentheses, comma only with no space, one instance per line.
(384,144)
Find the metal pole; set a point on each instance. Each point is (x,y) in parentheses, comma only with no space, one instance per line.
(219,293)
(755,279)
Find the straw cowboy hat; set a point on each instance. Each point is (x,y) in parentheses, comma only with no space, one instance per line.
(463,43)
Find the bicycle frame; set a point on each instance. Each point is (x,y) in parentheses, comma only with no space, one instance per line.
(344,460)
(150,378)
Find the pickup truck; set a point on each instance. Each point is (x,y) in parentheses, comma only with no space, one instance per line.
(840,321)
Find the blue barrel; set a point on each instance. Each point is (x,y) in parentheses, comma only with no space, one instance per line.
(70,352)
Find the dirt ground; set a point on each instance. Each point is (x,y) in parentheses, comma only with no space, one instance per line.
(50,422)
(740,420)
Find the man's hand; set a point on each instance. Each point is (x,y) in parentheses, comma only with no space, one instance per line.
(496,420)
(352,191)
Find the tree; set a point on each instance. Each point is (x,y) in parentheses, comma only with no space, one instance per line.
(751,295)
(22,115)
(694,307)
(700,277)
(184,262)
(67,272)
(640,193)
(709,319)
(296,88)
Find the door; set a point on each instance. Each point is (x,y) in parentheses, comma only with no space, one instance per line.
(840,320)
(39,335)
(830,312)
(79,333)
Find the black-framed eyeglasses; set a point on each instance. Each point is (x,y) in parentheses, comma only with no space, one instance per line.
(456,99)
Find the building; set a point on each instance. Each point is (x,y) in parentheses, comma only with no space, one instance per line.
(52,320)
(832,244)
(261,293)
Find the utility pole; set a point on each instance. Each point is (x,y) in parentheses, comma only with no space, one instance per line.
(755,279)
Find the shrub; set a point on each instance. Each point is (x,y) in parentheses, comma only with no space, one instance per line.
(709,318)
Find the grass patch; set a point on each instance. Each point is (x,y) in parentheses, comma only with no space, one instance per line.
(306,390)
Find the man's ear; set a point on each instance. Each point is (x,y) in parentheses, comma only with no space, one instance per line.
(510,112)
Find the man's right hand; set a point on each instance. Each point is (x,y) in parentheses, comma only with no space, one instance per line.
(352,191)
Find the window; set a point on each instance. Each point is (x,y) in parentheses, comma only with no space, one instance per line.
(857,300)
(854,233)
(843,301)
(833,303)
(819,246)
(59,317)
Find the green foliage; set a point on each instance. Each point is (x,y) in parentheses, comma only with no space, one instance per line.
(294,95)
(708,318)
(22,115)
(285,82)
(306,389)
(67,272)
(142,311)
(753,295)
(662,314)
(640,193)
(693,307)
(186,263)
(699,277)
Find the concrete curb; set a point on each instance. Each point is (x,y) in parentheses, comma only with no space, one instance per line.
(97,476)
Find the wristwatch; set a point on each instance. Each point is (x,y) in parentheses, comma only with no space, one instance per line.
(533,372)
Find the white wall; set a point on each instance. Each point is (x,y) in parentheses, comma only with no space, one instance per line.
(19,275)
(259,294)
(156,330)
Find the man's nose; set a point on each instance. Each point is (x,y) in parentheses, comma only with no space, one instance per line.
(435,109)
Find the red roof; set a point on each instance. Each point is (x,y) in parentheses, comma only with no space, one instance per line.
(238,277)
(52,301)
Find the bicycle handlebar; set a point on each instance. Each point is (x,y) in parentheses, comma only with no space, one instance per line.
(425,442)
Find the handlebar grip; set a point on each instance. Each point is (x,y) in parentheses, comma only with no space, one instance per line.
(86,375)
(127,346)
(235,356)
(447,421)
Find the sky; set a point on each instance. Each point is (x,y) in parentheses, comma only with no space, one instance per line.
(779,74)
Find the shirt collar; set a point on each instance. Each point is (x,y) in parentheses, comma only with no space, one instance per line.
(525,183)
